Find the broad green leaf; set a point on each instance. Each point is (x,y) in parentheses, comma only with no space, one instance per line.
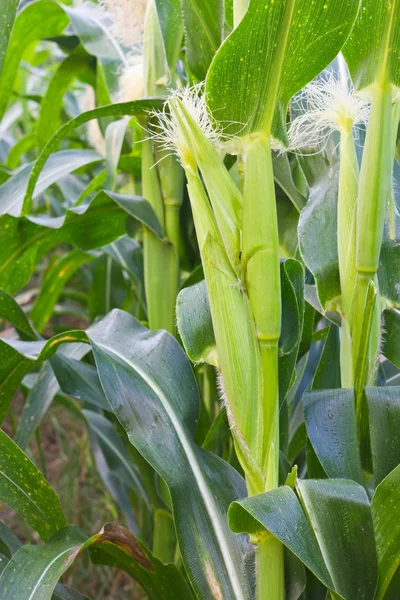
(119,492)
(117,547)
(340,515)
(37,20)
(26,240)
(274,52)
(194,322)
(204,23)
(330,531)
(78,379)
(330,418)
(139,208)
(391,336)
(113,110)
(8,10)
(116,454)
(284,177)
(318,237)
(128,253)
(95,31)
(148,379)
(374,50)
(40,567)
(280,513)
(171,23)
(387,528)
(17,358)
(53,284)
(24,489)
(327,375)
(114,137)
(59,164)
(384,426)
(388,268)
(292,290)
(9,543)
(42,393)
(52,102)
(11,312)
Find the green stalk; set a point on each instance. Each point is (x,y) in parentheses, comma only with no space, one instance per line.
(373,195)
(159,256)
(347,203)
(261,267)
(392,203)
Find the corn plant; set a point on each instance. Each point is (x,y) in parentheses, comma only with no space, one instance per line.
(200,263)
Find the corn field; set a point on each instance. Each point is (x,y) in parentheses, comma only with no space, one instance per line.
(200,299)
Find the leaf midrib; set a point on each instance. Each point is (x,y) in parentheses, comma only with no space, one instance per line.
(208,499)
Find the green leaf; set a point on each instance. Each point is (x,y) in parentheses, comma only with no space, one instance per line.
(373,51)
(292,290)
(284,177)
(40,567)
(35,21)
(330,418)
(340,515)
(8,11)
(273,53)
(59,164)
(116,454)
(318,236)
(391,336)
(327,375)
(194,322)
(17,358)
(147,379)
(280,513)
(42,393)
(387,529)
(52,102)
(95,31)
(26,240)
(53,284)
(139,208)
(171,23)
(11,311)
(128,253)
(204,23)
(384,426)
(24,489)
(330,531)
(78,379)
(138,107)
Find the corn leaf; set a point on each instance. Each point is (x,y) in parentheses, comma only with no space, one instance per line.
(387,529)
(53,284)
(59,164)
(24,489)
(384,421)
(194,322)
(204,22)
(9,11)
(35,21)
(373,49)
(391,336)
(330,418)
(330,531)
(276,50)
(40,567)
(318,234)
(135,369)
